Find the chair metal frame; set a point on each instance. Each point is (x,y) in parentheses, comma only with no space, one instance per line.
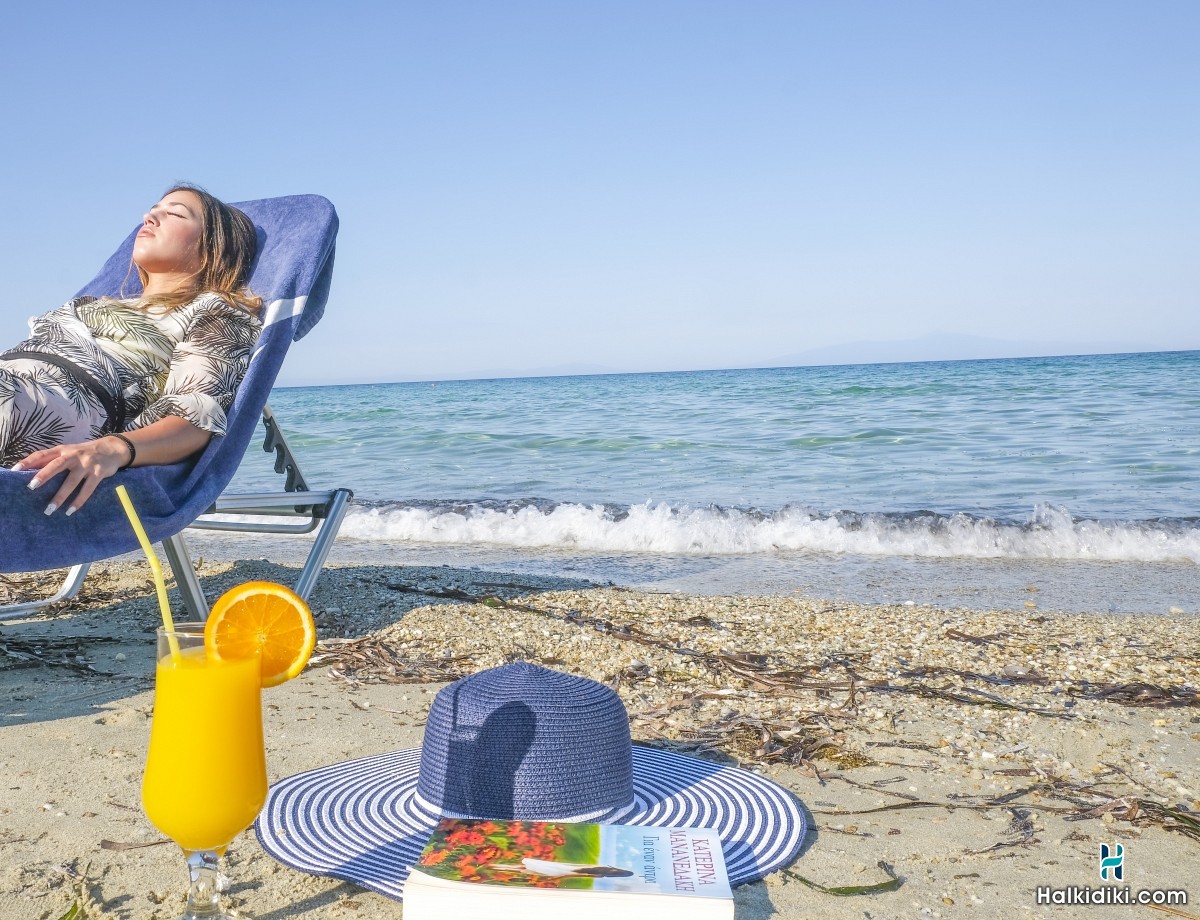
(323,509)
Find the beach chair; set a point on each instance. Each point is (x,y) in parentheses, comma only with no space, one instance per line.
(292,273)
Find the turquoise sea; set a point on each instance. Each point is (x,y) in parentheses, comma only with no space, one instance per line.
(961,482)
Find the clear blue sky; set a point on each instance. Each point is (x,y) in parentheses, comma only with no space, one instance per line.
(535,186)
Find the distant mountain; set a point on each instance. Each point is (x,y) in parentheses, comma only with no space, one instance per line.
(947,348)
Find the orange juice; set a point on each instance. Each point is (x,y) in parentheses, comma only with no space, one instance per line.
(206,772)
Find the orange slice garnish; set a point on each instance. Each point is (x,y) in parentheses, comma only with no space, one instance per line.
(263,618)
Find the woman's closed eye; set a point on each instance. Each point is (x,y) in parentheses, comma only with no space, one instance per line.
(159,212)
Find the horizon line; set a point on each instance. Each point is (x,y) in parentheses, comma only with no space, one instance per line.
(756,367)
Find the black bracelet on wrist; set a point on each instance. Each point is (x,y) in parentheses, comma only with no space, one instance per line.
(132,450)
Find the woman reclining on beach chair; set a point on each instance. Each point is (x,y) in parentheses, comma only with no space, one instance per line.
(104,384)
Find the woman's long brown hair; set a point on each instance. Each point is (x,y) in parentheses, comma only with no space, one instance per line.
(228,243)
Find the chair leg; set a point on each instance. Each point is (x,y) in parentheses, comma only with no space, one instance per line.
(177,555)
(70,587)
(323,543)
(185,577)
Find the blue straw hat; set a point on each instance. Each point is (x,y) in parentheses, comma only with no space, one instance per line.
(518,742)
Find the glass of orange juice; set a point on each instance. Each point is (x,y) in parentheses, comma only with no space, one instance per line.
(206,772)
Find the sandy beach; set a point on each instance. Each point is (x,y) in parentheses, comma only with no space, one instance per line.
(958,759)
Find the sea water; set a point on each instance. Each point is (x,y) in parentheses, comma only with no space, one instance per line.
(956,482)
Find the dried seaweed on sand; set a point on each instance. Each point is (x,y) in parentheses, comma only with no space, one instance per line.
(370,660)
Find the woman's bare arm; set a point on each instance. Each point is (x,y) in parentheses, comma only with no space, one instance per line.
(90,463)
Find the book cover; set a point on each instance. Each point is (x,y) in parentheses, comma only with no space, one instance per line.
(588,857)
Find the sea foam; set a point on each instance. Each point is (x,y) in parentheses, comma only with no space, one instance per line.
(1050,532)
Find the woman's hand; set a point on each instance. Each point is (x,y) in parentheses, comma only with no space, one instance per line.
(87,465)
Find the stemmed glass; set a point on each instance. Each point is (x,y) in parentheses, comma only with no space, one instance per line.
(206,771)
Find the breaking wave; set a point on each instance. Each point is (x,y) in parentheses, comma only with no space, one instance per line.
(1050,532)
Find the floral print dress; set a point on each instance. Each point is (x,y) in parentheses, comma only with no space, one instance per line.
(186,362)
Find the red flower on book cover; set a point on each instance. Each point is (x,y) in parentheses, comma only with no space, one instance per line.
(433,857)
(466,837)
(467,865)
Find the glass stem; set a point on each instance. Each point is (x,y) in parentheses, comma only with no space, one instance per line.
(205,890)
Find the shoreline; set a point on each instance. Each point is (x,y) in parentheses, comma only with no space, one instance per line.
(977,754)
(1067,586)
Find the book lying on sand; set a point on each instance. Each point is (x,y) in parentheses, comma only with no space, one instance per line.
(528,870)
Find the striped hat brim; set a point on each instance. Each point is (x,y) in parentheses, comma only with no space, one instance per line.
(361,821)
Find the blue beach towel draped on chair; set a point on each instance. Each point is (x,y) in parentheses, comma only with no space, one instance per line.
(292,274)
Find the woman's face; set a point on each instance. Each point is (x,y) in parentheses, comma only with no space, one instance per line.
(169,241)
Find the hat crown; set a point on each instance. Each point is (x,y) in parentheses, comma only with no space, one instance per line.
(524,742)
